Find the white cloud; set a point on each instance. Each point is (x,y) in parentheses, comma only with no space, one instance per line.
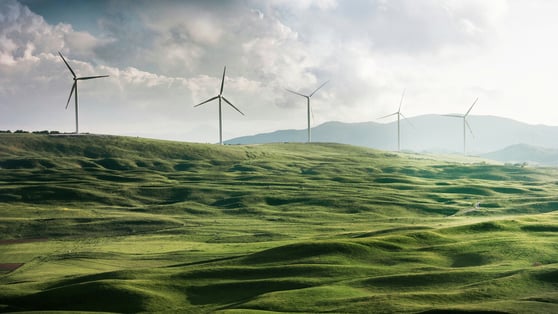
(24,34)
(306,4)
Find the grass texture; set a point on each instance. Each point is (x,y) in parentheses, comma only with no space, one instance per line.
(117,224)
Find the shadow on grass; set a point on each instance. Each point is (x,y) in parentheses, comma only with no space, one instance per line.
(225,293)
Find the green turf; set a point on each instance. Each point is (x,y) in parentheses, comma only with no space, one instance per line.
(117,224)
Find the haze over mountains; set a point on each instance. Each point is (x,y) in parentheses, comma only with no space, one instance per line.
(434,134)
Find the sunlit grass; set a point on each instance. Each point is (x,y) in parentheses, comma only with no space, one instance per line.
(149,225)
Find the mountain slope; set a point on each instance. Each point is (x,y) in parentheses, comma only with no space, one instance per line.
(422,133)
(526,153)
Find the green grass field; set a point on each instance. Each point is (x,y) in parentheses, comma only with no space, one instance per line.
(116,224)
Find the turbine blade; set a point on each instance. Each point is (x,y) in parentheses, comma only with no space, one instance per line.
(210,99)
(408,121)
(401,101)
(69,68)
(317,89)
(453,115)
(469,127)
(389,115)
(223,81)
(71,92)
(296,93)
(312,113)
(91,77)
(228,102)
(471,108)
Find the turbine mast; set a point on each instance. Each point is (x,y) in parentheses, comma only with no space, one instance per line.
(398,132)
(464,136)
(77,113)
(220,122)
(309,129)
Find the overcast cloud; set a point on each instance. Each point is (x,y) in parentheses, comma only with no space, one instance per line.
(163,57)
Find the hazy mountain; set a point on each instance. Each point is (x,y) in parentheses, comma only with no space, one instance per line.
(526,153)
(432,133)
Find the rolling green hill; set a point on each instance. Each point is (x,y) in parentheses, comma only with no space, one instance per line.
(116,224)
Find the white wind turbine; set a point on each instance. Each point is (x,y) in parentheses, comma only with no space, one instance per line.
(75,88)
(308,105)
(220,96)
(399,115)
(465,124)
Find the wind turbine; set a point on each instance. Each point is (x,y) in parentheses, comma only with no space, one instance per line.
(308,105)
(399,115)
(220,96)
(74,88)
(465,124)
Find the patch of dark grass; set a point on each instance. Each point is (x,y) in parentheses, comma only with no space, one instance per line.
(547,275)
(116,164)
(470,260)
(118,178)
(301,251)
(540,228)
(390,231)
(508,190)
(26,163)
(225,293)
(488,226)
(471,190)
(410,281)
(461,311)
(108,296)
(393,179)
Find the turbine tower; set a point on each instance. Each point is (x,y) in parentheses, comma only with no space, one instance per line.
(74,88)
(308,105)
(399,115)
(465,124)
(220,96)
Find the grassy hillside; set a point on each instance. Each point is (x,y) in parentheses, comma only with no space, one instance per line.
(115,224)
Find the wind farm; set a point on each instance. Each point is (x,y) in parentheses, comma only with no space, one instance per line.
(221,98)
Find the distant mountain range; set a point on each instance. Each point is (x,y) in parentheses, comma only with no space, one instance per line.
(493,137)
(525,153)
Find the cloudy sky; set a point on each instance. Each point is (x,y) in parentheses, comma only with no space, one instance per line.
(163,57)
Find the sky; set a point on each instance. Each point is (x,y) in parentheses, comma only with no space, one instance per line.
(164,57)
